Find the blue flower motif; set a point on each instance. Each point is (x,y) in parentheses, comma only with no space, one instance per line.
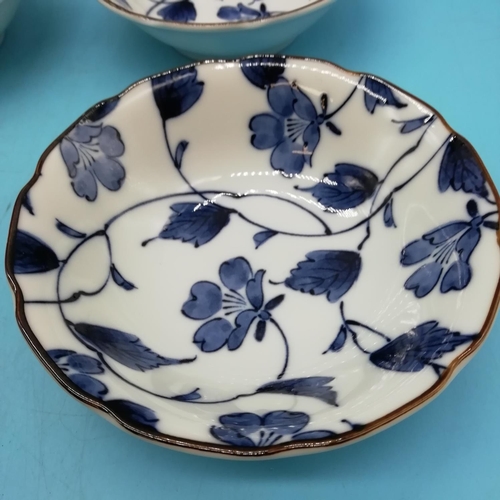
(243,13)
(377,93)
(250,430)
(445,253)
(207,300)
(182,11)
(292,130)
(90,152)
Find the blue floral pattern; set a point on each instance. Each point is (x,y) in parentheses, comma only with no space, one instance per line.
(179,11)
(242,12)
(378,93)
(251,430)
(445,253)
(91,153)
(208,300)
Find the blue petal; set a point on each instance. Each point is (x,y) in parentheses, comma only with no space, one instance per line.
(239,13)
(330,272)
(90,385)
(123,347)
(182,11)
(457,277)
(85,364)
(32,255)
(244,423)
(288,157)
(263,71)
(311,140)
(262,237)
(232,437)
(415,124)
(285,422)
(313,435)
(69,231)
(268,131)
(70,156)
(388,217)
(339,341)
(190,396)
(460,170)
(243,322)
(84,184)
(176,92)
(205,300)
(211,336)
(84,133)
(57,354)
(27,204)
(313,387)
(109,172)
(424,279)
(235,273)
(110,142)
(281,97)
(445,232)
(103,110)
(416,251)
(195,223)
(179,153)
(254,290)
(379,94)
(133,413)
(303,106)
(467,243)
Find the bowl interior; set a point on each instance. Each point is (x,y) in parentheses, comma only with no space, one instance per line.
(211,11)
(257,254)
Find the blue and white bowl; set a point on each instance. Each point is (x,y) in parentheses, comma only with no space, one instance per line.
(256,258)
(202,29)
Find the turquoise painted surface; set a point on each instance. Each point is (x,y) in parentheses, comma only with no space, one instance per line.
(59,58)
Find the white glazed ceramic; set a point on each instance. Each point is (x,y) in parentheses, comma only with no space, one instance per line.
(256,258)
(7,10)
(203,29)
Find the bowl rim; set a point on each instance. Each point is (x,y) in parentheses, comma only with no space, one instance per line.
(214,449)
(228,25)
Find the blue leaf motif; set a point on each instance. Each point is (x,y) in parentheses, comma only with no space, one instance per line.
(377,93)
(134,413)
(179,153)
(314,387)
(176,92)
(412,125)
(263,71)
(339,341)
(120,280)
(309,435)
(85,364)
(347,187)
(330,272)
(195,223)
(260,238)
(388,216)
(89,385)
(57,354)
(32,255)
(212,336)
(205,300)
(191,396)
(232,437)
(460,170)
(421,346)
(68,231)
(27,204)
(242,13)
(103,110)
(123,347)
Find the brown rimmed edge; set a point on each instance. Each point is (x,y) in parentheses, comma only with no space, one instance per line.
(153,21)
(225,450)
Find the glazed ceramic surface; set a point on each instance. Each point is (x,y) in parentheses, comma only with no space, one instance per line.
(256,257)
(214,28)
(7,10)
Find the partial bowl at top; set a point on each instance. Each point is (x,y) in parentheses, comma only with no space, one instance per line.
(202,29)
(257,257)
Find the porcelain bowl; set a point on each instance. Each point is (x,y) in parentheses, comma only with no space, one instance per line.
(256,258)
(8,9)
(202,29)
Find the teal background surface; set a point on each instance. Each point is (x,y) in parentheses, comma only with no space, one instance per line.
(62,56)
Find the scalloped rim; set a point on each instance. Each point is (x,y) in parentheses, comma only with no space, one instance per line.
(290,448)
(255,23)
